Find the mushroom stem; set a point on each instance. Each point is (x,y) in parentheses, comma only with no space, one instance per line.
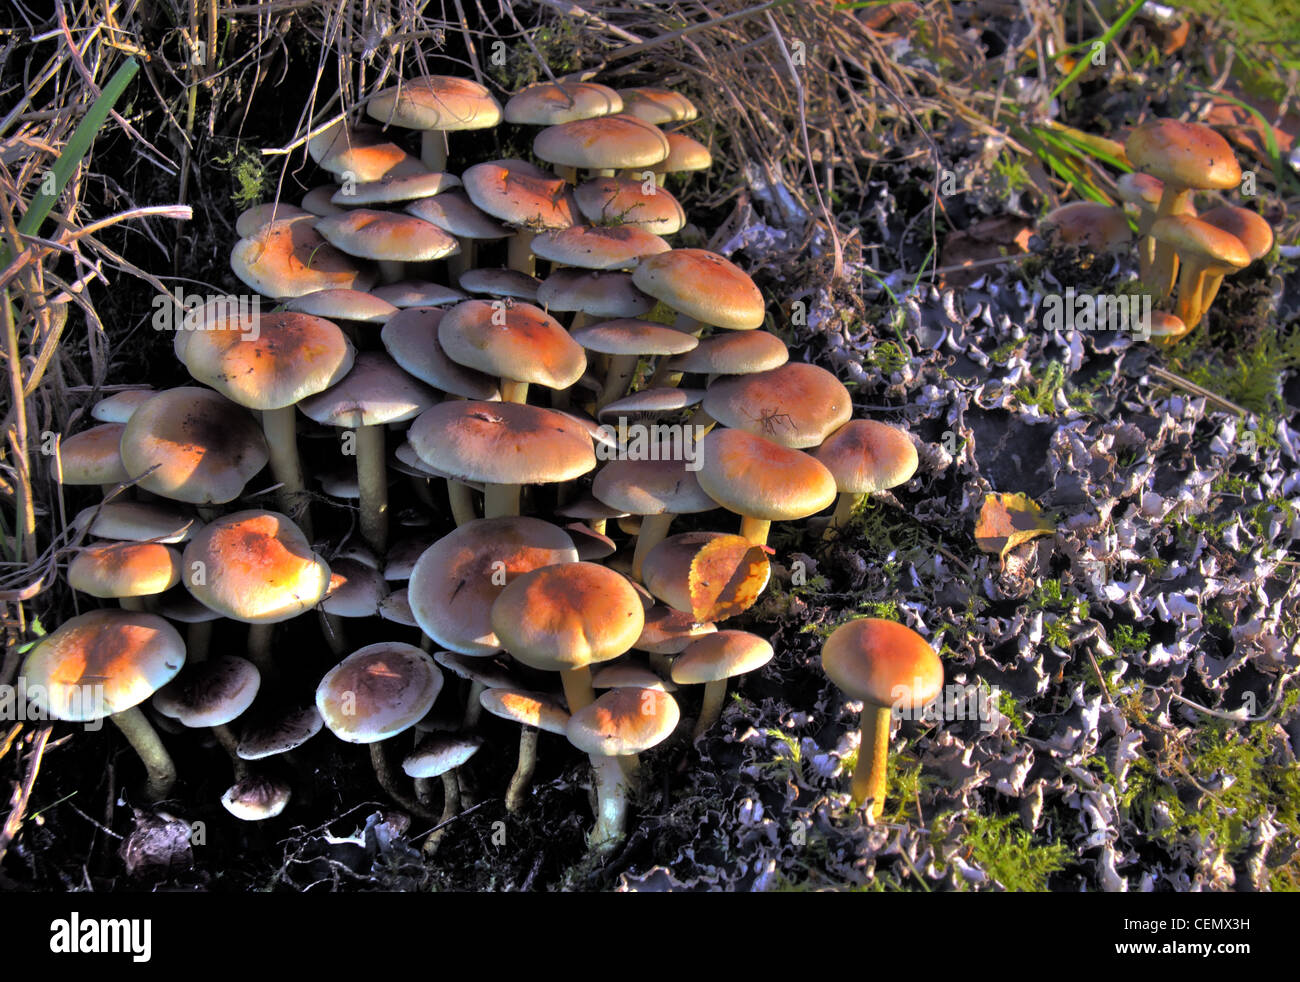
(259,647)
(755,529)
(611,804)
(372,479)
(473,705)
(654,529)
(130,603)
(513,391)
(1164,264)
(390,271)
(715,694)
(578,692)
(1191,280)
(231,746)
(519,252)
(197,638)
(387,779)
(144,741)
(872,769)
(662,377)
(282,441)
(450,809)
(461,261)
(617,378)
(522,779)
(331,628)
(461,498)
(843,514)
(433,149)
(500,499)
(567,174)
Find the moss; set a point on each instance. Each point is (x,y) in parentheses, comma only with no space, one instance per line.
(1017,859)
(1123,637)
(1009,707)
(248,176)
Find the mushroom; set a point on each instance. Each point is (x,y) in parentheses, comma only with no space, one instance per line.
(1204,251)
(439,756)
(125,571)
(865,457)
(256,797)
(104,664)
(390,239)
(1253,232)
(886,665)
(93,456)
(435,105)
(713,659)
(524,196)
(288,259)
(602,145)
(796,405)
(621,201)
(456,215)
(534,712)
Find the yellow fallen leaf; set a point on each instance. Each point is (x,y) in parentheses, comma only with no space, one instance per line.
(1007,520)
(726,577)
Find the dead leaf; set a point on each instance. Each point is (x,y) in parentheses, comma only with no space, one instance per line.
(1007,520)
(727,575)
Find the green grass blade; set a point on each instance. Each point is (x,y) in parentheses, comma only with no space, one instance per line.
(1083,63)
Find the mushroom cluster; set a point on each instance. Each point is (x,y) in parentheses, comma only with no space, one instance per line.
(1183,254)
(514,357)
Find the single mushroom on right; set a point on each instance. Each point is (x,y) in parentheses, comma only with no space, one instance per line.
(886,665)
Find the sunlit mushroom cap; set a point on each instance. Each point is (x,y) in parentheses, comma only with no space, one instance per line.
(411,337)
(567,616)
(288,259)
(684,154)
(502,443)
(118,407)
(363,153)
(866,456)
(416,293)
(651,487)
(719,656)
(93,456)
(626,201)
(291,356)
(602,143)
(210,693)
(375,391)
(1187,155)
(756,477)
(255,566)
(734,353)
(666,570)
(125,569)
(355,589)
(598,246)
(202,447)
(704,286)
(386,236)
(436,102)
(101,663)
(440,753)
(378,691)
(456,580)
(256,797)
(883,663)
(630,336)
(624,721)
(526,708)
(797,405)
(549,103)
(516,341)
(1253,232)
(658,106)
(668,631)
(521,196)
(1195,239)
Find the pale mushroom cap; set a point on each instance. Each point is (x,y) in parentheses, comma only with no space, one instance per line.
(178,604)
(118,407)
(591,545)
(378,691)
(704,286)
(393,188)
(386,236)
(415,293)
(291,357)
(1140,189)
(436,102)
(210,693)
(651,487)
(93,456)
(684,154)
(797,405)
(734,353)
(396,607)
(658,106)
(375,391)
(355,589)
(520,197)
(206,447)
(288,259)
(549,103)
(883,663)
(1187,155)
(411,337)
(348,305)
(630,336)
(501,283)
(627,201)
(125,569)
(255,566)
(598,246)
(250,220)
(567,616)
(602,143)
(457,579)
(440,753)
(1199,241)
(256,798)
(598,293)
(502,443)
(1253,232)
(514,341)
(101,663)
(1089,223)
(318,202)
(719,656)
(364,153)
(279,733)
(486,671)
(756,477)
(137,521)
(1166,325)
(456,215)
(526,708)
(866,456)
(624,721)
(669,631)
